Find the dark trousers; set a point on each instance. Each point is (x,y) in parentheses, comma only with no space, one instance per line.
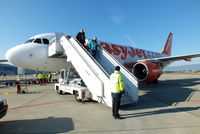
(40,81)
(116,98)
(18,89)
(93,52)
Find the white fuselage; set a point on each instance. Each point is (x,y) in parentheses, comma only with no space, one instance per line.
(34,55)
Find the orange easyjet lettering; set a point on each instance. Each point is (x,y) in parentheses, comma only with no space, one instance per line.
(138,53)
(143,52)
(132,52)
(116,51)
(124,51)
(106,47)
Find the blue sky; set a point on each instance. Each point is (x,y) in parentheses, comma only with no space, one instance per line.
(138,23)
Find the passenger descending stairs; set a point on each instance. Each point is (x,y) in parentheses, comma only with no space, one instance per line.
(95,72)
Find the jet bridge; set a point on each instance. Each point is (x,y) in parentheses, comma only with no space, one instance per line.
(95,71)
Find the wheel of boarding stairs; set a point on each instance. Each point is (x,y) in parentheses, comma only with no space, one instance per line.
(58,91)
(76,97)
(155,81)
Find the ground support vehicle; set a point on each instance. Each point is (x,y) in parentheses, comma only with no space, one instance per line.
(70,82)
(3,107)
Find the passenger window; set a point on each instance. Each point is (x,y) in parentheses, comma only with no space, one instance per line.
(38,40)
(45,41)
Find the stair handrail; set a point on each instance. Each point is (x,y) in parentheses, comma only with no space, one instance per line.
(95,61)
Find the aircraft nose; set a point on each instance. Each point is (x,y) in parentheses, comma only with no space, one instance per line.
(13,55)
(9,54)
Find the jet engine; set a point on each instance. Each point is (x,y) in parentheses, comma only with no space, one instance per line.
(147,71)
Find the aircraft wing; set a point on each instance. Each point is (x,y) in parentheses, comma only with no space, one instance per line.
(172,58)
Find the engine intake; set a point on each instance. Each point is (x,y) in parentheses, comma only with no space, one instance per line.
(146,71)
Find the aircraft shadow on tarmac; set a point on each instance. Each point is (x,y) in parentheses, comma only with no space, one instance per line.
(160,111)
(165,93)
(46,125)
(169,92)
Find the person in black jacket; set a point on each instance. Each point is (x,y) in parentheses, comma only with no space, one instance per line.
(81,38)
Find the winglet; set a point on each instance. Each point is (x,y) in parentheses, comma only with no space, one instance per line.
(168,45)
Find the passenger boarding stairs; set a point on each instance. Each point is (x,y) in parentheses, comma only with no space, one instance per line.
(95,71)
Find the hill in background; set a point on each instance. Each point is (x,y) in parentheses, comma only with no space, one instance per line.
(184,68)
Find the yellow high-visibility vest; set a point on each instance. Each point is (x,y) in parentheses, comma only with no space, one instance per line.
(40,76)
(116,82)
(45,75)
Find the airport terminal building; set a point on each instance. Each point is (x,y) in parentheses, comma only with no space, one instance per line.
(13,70)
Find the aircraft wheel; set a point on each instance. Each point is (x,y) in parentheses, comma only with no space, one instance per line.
(155,81)
(23,92)
(76,95)
(6,83)
(11,84)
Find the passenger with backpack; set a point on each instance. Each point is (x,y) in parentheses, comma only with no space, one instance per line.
(93,46)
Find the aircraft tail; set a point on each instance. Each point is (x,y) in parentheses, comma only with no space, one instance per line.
(168,45)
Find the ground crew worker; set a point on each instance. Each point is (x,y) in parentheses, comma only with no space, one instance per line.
(93,46)
(45,76)
(18,88)
(49,77)
(117,89)
(40,76)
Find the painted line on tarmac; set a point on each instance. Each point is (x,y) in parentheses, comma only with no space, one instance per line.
(48,103)
(169,100)
(42,104)
(7,93)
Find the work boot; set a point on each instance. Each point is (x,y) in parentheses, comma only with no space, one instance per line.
(118,117)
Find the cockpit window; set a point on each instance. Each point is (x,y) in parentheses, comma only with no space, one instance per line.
(29,41)
(45,41)
(38,40)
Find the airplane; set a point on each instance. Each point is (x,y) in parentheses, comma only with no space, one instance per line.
(146,66)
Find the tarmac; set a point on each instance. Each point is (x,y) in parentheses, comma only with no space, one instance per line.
(171,106)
